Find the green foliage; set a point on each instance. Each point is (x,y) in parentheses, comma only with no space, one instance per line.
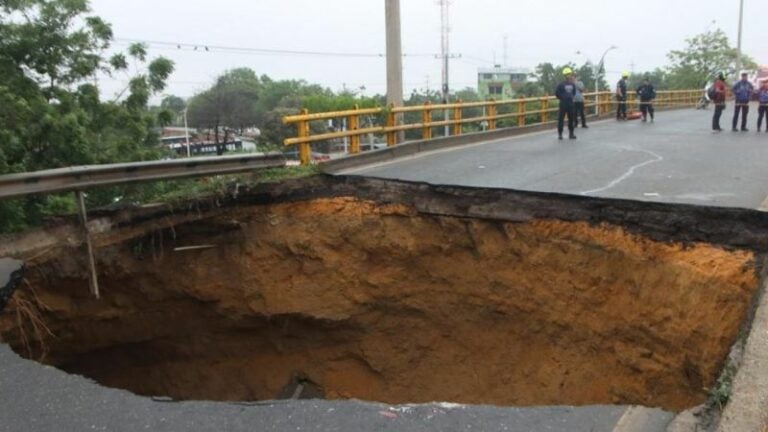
(239,99)
(50,114)
(706,55)
(658,77)
(548,76)
(720,394)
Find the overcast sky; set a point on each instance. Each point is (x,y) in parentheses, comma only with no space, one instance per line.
(537,30)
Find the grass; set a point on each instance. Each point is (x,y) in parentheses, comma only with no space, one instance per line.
(720,394)
(185,190)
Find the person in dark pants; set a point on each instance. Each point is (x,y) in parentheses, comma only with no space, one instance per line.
(621,97)
(742,92)
(566,93)
(719,101)
(762,99)
(579,104)
(647,93)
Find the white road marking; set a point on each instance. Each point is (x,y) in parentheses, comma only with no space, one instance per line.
(636,419)
(628,174)
(764,206)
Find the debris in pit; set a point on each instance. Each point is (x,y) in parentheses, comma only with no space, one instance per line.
(11,273)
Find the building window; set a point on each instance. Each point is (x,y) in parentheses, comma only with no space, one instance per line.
(487,76)
(495,89)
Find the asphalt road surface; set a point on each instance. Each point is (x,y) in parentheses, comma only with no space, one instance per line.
(675,159)
(39,398)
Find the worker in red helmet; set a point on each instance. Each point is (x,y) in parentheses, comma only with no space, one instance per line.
(718,97)
(762,111)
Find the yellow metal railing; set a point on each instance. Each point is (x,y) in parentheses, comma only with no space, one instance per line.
(526,111)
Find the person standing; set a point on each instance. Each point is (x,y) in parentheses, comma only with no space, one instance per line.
(742,91)
(647,94)
(621,97)
(579,104)
(718,97)
(762,111)
(566,93)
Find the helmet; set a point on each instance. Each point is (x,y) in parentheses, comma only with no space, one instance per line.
(625,74)
(567,71)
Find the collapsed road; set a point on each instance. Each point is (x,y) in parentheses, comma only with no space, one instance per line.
(394,292)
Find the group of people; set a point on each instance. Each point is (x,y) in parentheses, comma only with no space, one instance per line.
(743,91)
(570,93)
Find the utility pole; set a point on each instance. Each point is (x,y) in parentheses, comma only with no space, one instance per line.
(186,132)
(445,49)
(738,45)
(506,50)
(394,60)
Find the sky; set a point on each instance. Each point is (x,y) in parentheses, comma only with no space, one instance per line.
(536,30)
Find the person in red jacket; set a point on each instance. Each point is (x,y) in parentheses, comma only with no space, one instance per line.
(719,101)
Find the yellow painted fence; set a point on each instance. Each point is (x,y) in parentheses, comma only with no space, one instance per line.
(521,112)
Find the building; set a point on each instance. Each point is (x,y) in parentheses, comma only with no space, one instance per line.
(500,82)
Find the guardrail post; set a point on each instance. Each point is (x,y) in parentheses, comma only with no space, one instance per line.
(544,107)
(353,124)
(93,275)
(426,119)
(600,101)
(305,149)
(391,135)
(492,114)
(521,113)
(457,114)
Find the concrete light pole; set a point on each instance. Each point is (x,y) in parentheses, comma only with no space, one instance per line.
(186,132)
(394,59)
(600,66)
(738,44)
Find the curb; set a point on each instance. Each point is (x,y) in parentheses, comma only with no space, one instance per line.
(747,409)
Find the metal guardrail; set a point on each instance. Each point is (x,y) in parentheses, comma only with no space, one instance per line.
(90,176)
(80,178)
(519,110)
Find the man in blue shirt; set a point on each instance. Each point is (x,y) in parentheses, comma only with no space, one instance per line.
(647,94)
(566,93)
(742,91)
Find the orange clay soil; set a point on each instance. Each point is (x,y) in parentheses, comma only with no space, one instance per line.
(356,300)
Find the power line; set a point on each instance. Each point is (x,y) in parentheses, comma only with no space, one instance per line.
(199,47)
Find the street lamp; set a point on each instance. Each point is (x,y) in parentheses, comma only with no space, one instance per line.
(738,47)
(599,67)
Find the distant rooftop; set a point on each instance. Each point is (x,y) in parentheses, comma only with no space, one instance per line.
(504,70)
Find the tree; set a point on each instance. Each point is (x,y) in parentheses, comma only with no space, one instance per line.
(175,106)
(230,104)
(706,55)
(658,77)
(50,114)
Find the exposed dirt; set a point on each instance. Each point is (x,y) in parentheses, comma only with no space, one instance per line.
(353,299)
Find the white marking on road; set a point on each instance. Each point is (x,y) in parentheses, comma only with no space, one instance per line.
(628,174)
(639,419)
(764,206)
